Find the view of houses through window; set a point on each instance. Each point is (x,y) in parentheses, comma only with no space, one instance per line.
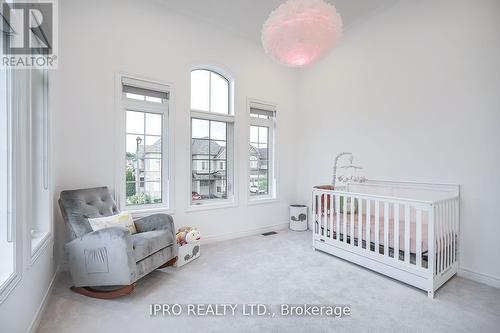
(209,159)
(146,110)
(259,157)
(144,158)
(261,152)
(211,137)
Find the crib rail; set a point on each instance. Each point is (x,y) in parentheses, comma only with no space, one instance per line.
(446,212)
(421,235)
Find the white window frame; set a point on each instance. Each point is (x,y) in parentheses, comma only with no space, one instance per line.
(231,161)
(126,104)
(16,113)
(272,196)
(40,232)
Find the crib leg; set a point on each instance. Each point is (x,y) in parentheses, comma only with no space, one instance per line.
(430,294)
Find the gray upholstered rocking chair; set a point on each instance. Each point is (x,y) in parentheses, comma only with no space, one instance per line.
(106,263)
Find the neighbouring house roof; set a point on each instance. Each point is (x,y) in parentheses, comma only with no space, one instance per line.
(260,152)
(201,147)
(155,148)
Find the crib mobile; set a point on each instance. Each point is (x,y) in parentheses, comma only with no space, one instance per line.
(351,171)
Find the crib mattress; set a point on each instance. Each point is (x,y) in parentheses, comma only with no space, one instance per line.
(413,231)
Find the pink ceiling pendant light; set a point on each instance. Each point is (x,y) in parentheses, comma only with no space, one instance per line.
(300,32)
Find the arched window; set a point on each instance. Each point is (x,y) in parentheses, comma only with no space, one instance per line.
(209,91)
(211,137)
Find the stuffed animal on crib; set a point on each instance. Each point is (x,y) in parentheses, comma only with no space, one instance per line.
(187,235)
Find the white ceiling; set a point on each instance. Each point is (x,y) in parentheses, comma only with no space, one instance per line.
(245,17)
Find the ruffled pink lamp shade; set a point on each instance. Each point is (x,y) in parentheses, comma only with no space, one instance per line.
(300,32)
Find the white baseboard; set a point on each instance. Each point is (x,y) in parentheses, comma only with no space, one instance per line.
(239,234)
(487,279)
(39,312)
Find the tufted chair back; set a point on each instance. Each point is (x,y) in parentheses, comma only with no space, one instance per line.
(77,206)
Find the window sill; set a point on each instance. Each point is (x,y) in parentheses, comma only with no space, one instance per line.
(210,206)
(8,285)
(260,201)
(140,213)
(39,241)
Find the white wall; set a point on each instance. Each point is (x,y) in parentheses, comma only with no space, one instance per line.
(20,311)
(414,93)
(102,38)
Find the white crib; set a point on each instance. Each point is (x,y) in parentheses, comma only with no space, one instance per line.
(408,231)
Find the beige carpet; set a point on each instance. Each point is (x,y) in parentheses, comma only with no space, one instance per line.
(272,270)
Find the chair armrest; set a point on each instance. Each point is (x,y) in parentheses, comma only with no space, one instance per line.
(155,222)
(102,258)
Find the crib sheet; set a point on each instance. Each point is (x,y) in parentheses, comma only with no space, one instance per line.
(413,233)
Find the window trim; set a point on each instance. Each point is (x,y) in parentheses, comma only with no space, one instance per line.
(273,195)
(45,236)
(122,105)
(16,141)
(232,163)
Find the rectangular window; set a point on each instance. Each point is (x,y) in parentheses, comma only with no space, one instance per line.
(262,182)
(146,113)
(209,142)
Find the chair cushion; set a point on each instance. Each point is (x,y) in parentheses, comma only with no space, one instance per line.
(147,243)
(123,219)
(77,206)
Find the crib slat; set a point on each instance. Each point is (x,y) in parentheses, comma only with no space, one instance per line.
(418,244)
(430,241)
(445,239)
(386,228)
(437,236)
(352,221)
(396,231)
(448,231)
(360,223)
(407,233)
(320,215)
(443,226)
(457,229)
(315,212)
(443,236)
(454,232)
(377,227)
(344,219)
(324,212)
(368,224)
(331,215)
(337,211)
(439,239)
(446,235)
